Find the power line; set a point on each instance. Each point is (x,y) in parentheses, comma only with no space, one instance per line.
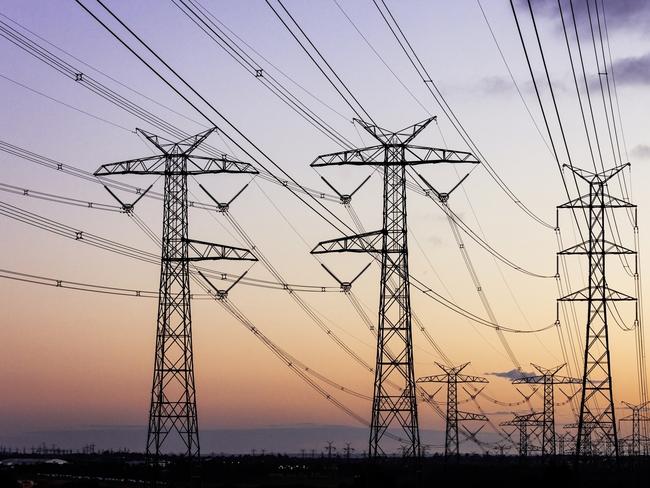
(431,86)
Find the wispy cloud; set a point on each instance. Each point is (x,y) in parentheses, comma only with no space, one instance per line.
(496,85)
(513,374)
(619,14)
(641,151)
(633,70)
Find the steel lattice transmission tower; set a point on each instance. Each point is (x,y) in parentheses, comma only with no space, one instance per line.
(522,423)
(548,378)
(394,393)
(452,377)
(597,403)
(173,394)
(636,418)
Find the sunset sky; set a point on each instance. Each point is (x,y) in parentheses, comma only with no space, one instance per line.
(73,359)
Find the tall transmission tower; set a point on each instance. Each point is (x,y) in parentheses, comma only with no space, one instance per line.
(452,377)
(597,402)
(548,378)
(394,363)
(636,418)
(173,394)
(522,423)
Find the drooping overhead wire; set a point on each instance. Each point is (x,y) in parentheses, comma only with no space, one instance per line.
(88,238)
(82,79)
(415,282)
(356,107)
(331,218)
(437,95)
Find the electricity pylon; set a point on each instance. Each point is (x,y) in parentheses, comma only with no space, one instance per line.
(521,423)
(588,442)
(597,401)
(173,394)
(548,378)
(394,363)
(636,418)
(562,441)
(452,377)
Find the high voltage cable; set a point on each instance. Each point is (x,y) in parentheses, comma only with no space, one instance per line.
(503,340)
(546,143)
(295,104)
(427,291)
(296,366)
(291,361)
(322,195)
(60,102)
(415,186)
(63,230)
(639,333)
(221,116)
(551,140)
(88,287)
(276,285)
(73,73)
(320,68)
(446,108)
(261,56)
(466,228)
(512,77)
(58,198)
(418,284)
(331,69)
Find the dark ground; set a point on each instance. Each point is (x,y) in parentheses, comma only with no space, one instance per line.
(128,470)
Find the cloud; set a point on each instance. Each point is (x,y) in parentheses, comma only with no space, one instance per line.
(495,85)
(642,151)
(619,14)
(513,374)
(633,70)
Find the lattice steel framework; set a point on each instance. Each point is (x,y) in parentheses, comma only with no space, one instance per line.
(588,445)
(522,423)
(394,395)
(452,377)
(548,378)
(173,393)
(636,418)
(597,402)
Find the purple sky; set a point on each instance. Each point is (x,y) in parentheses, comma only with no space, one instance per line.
(72,359)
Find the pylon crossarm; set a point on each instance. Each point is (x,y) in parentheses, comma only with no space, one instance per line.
(155,165)
(376,156)
(366,242)
(438,378)
(566,380)
(608,248)
(528,380)
(433,155)
(584,201)
(472,416)
(202,165)
(463,378)
(373,155)
(207,251)
(152,165)
(583,296)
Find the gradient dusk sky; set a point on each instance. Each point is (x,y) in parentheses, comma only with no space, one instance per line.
(73,359)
